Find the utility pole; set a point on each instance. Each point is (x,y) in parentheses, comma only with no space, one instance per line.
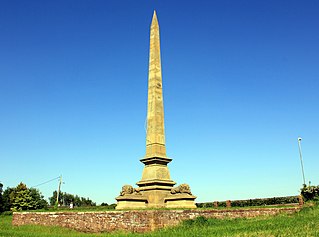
(58,193)
(301,162)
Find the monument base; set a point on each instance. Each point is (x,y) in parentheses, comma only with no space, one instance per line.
(180,201)
(152,197)
(131,202)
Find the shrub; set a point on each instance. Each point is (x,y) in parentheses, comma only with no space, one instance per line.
(222,204)
(7,213)
(254,202)
(310,192)
(112,206)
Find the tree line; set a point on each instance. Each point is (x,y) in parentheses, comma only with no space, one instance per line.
(21,198)
(65,199)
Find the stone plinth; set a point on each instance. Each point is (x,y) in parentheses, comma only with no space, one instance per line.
(184,200)
(155,196)
(131,201)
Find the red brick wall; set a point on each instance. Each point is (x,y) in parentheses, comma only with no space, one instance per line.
(133,221)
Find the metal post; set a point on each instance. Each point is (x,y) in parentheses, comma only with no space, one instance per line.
(300,154)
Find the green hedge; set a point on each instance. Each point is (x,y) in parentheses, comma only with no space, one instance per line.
(310,192)
(253,202)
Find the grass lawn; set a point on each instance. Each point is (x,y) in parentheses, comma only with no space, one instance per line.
(303,224)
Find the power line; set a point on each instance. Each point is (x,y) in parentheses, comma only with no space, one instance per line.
(45,182)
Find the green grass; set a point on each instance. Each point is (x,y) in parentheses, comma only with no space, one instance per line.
(304,223)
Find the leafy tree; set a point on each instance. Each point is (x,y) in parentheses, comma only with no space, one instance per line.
(23,198)
(310,192)
(20,198)
(6,199)
(1,199)
(38,199)
(52,199)
(66,198)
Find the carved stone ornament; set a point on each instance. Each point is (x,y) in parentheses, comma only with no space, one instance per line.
(183,188)
(128,189)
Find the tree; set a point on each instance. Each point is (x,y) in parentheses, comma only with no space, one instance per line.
(6,199)
(310,192)
(20,198)
(23,198)
(52,199)
(38,199)
(66,198)
(1,199)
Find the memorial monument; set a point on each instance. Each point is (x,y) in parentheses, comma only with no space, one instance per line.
(155,189)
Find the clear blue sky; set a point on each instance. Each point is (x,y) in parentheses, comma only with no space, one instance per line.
(240,82)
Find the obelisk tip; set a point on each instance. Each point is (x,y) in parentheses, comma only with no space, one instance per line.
(154,19)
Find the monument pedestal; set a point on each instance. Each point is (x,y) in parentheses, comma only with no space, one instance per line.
(155,190)
(181,200)
(155,199)
(131,201)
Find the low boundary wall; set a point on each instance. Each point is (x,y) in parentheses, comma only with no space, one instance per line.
(134,220)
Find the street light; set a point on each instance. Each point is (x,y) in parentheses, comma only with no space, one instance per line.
(300,154)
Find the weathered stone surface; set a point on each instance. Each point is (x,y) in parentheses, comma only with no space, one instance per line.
(156,186)
(300,199)
(131,201)
(155,136)
(133,221)
(180,200)
(183,188)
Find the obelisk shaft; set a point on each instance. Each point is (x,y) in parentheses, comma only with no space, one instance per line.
(155,137)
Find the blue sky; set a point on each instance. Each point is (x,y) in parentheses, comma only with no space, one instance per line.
(240,82)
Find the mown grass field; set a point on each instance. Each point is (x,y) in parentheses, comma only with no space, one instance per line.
(303,224)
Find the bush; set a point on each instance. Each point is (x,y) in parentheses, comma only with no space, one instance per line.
(310,192)
(207,205)
(7,213)
(222,204)
(112,206)
(254,202)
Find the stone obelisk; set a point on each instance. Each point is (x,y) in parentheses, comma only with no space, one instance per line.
(155,136)
(155,188)
(155,171)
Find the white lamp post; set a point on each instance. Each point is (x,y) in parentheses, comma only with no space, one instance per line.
(301,162)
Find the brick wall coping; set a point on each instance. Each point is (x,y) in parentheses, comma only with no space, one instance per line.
(236,209)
